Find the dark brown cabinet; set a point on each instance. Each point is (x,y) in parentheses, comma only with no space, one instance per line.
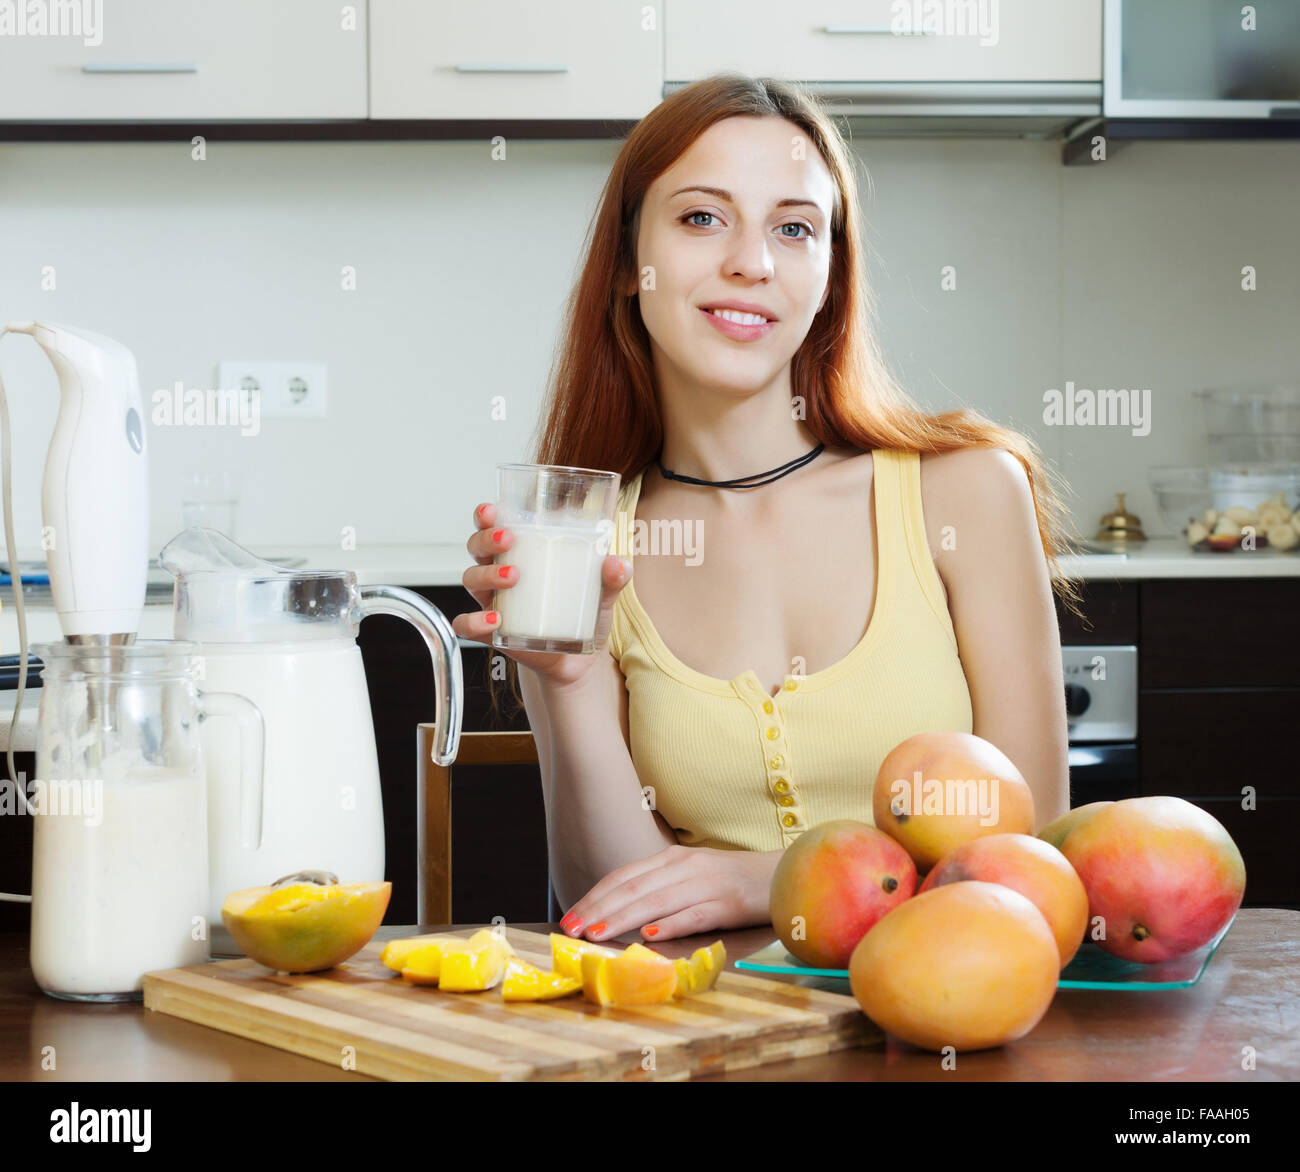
(1218,698)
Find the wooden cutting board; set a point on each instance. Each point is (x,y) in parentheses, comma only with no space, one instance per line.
(364,1017)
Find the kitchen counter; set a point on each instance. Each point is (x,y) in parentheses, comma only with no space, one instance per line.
(1248,997)
(443,565)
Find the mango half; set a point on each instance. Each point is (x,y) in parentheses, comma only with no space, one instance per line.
(305,927)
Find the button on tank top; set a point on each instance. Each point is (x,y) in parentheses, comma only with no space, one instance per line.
(731,767)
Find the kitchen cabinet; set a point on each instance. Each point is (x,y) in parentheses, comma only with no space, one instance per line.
(852,41)
(1218,689)
(170,60)
(515,59)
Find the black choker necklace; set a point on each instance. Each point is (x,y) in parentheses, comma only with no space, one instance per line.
(754,481)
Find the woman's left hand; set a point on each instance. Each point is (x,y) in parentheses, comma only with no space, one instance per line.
(680,891)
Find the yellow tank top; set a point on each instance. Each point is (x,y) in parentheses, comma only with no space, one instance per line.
(734,768)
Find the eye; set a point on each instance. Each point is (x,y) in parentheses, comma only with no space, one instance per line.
(797,224)
(692,215)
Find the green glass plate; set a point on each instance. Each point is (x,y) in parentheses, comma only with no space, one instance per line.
(1090,969)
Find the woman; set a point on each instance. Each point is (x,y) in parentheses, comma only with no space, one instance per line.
(894,581)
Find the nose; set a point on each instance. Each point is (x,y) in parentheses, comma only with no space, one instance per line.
(750,257)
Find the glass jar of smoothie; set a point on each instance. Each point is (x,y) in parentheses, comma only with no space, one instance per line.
(120,831)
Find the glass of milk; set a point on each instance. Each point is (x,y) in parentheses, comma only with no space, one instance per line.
(562,522)
(120,831)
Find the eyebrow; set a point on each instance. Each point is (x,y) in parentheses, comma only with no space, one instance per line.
(721,194)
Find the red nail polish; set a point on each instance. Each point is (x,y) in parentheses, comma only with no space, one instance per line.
(497,534)
(597,929)
(564,922)
(575,927)
(652,930)
(503,571)
(491,618)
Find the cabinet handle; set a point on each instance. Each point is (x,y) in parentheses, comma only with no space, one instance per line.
(140,67)
(507,67)
(874,30)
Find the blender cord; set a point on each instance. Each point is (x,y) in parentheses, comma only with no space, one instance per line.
(15,579)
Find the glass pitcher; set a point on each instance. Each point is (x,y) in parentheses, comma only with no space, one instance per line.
(287,639)
(120,839)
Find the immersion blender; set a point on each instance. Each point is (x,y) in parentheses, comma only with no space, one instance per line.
(94,500)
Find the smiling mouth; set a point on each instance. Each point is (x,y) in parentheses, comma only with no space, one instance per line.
(741,319)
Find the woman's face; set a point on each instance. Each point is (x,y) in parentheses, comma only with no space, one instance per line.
(741,240)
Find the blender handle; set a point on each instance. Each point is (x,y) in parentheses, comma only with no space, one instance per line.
(252,749)
(444,651)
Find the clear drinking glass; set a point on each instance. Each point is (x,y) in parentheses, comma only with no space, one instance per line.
(562,520)
(211,500)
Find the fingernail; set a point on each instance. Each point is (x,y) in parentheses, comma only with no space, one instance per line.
(597,929)
(497,534)
(491,618)
(479,511)
(575,927)
(627,566)
(503,571)
(652,930)
(564,921)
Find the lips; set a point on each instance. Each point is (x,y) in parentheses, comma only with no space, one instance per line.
(739,331)
(749,307)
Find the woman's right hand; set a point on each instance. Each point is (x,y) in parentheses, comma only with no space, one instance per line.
(484,577)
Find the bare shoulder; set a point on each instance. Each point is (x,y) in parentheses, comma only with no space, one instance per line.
(984,473)
(982,492)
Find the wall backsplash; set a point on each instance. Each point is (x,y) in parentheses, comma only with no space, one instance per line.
(1124,274)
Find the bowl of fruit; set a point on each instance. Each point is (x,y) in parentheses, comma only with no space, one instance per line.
(1231,507)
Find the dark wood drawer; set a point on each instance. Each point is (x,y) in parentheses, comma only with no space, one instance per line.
(1212,742)
(1110,615)
(1220,632)
(1266,838)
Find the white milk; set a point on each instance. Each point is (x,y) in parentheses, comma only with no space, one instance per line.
(323,806)
(113,901)
(558,591)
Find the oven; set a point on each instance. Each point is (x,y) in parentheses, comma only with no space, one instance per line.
(1101,713)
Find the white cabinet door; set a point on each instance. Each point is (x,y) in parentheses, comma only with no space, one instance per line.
(163,60)
(856,40)
(515,59)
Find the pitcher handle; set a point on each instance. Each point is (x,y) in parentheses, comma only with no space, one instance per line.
(252,748)
(444,651)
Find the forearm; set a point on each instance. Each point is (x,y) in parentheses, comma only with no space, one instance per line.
(595,818)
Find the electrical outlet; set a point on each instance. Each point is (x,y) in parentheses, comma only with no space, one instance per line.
(288,390)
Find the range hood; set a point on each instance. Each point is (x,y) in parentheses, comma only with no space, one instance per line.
(975,109)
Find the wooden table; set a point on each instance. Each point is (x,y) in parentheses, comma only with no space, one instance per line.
(1249,997)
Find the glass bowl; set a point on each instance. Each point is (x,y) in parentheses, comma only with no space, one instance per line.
(1230,507)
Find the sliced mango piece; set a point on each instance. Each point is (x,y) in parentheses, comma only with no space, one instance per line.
(473,968)
(685,977)
(526,982)
(491,936)
(423,965)
(628,979)
(595,978)
(706,964)
(567,954)
(305,927)
(394,953)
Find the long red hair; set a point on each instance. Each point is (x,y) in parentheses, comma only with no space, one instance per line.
(602,410)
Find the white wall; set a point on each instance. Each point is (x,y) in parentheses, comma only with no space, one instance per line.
(1122,274)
